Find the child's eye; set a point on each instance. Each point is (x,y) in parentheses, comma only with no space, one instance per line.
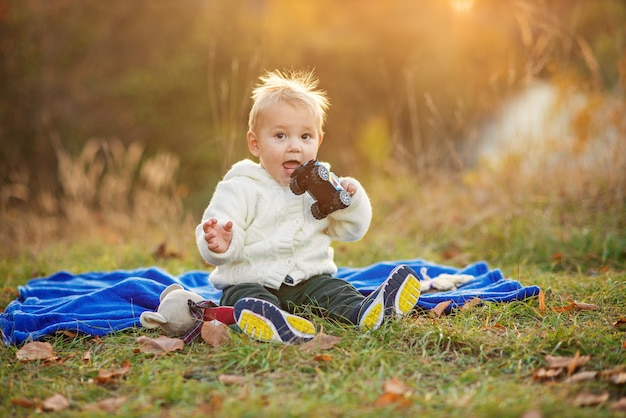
(280,136)
(307,137)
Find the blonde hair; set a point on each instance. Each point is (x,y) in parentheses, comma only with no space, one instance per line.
(296,87)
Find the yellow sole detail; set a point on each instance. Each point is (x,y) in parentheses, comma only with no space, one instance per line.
(256,327)
(409,295)
(373,316)
(301,325)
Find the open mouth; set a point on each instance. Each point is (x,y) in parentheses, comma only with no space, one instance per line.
(290,166)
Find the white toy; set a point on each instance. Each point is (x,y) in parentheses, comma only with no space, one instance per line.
(442,282)
(173,314)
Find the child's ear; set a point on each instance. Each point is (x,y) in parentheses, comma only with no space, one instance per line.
(253,143)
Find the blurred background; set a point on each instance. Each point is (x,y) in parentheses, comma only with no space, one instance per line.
(119,110)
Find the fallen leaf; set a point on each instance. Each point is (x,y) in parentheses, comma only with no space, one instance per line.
(321,341)
(55,403)
(107,376)
(67,333)
(440,308)
(580,306)
(555,362)
(159,345)
(566,308)
(582,377)
(620,323)
(546,374)
(109,405)
(542,302)
(215,333)
(323,357)
(23,402)
(397,386)
(497,328)
(86,356)
(619,405)
(618,379)
(232,379)
(392,398)
(36,351)
(471,304)
(590,399)
(395,391)
(573,365)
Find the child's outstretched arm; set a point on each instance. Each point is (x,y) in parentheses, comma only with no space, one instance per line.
(217,237)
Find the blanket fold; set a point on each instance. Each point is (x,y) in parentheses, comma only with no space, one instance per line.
(99,303)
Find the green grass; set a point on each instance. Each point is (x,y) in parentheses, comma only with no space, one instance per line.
(472,363)
(477,362)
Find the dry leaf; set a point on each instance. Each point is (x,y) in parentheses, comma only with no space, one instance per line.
(566,308)
(397,386)
(471,304)
(395,391)
(67,333)
(323,357)
(620,323)
(555,362)
(55,403)
(590,399)
(582,377)
(578,306)
(107,376)
(573,365)
(86,356)
(36,351)
(440,308)
(23,402)
(618,378)
(392,398)
(542,302)
(232,379)
(110,405)
(320,342)
(215,333)
(159,345)
(545,374)
(619,405)
(497,328)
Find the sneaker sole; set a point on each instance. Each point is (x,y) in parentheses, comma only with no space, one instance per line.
(408,294)
(263,321)
(393,299)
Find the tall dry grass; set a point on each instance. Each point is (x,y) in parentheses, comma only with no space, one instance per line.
(109,191)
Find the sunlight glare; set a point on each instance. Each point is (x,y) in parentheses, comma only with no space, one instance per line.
(461,6)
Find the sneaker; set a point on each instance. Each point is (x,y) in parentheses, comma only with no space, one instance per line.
(264,321)
(397,295)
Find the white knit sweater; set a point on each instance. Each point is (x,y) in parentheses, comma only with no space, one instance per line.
(274,233)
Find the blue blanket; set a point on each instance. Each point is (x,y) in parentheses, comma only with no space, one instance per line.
(99,303)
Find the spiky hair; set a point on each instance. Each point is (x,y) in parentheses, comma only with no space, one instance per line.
(296,87)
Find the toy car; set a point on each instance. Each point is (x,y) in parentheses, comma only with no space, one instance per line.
(322,185)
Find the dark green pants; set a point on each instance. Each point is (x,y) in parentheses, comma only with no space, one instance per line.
(322,295)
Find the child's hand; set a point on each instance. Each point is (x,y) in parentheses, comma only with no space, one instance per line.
(217,237)
(349,187)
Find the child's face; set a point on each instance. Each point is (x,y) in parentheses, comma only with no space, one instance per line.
(284,137)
